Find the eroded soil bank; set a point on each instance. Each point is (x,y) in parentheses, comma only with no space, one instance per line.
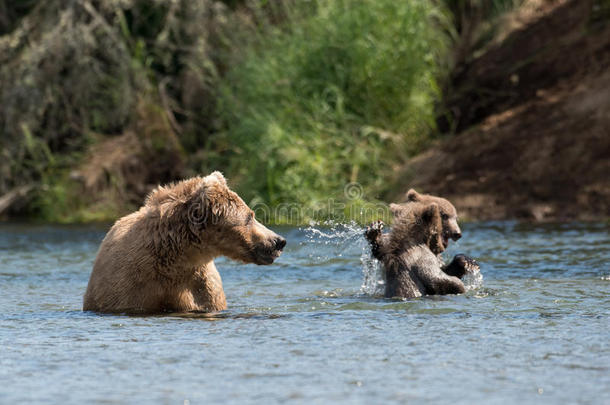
(533,122)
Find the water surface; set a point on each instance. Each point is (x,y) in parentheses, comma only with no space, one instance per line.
(310,328)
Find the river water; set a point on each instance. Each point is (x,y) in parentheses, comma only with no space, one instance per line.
(311,329)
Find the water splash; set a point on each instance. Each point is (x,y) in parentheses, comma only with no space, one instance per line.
(329,240)
(373,280)
(473,280)
(331,232)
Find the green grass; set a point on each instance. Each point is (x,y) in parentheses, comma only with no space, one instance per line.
(339,92)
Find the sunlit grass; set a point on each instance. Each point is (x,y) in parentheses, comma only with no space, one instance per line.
(339,92)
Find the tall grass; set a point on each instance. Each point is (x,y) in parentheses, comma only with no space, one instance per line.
(475,24)
(293,99)
(337,92)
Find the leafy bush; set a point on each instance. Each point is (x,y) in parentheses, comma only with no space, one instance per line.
(474,25)
(337,92)
(72,74)
(293,99)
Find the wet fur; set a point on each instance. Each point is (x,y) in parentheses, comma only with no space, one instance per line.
(160,258)
(410,252)
(448,212)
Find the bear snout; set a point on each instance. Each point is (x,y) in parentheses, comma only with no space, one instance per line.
(451,229)
(267,252)
(280,243)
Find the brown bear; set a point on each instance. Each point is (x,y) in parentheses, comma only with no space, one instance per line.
(410,253)
(461,264)
(161,257)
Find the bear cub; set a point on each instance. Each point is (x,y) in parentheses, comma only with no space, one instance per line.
(410,252)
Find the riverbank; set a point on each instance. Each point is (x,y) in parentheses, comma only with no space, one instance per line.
(533,122)
(503,112)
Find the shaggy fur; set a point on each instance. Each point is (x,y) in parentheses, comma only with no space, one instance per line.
(161,257)
(451,230)
(410,253)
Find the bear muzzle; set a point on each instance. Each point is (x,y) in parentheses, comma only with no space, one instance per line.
(450,235)
(267,253)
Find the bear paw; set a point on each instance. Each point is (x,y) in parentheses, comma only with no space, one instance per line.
(373,231)
(373,235)
(468,263)
(462,264)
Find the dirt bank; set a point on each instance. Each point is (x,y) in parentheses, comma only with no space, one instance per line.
(533,115)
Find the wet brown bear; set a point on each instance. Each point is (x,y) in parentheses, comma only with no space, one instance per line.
(161,257)
(461,264)
(410,253)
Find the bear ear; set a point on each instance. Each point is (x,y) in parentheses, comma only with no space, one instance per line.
(197,212)
(218,177)
(412,195)
(431,213)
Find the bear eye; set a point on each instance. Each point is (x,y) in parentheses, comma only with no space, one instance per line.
(249,218)
(444,216)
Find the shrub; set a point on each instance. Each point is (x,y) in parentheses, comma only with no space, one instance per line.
(337,92)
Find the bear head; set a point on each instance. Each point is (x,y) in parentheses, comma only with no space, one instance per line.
(451,229)
(217,220)
(231,225)
(415,224)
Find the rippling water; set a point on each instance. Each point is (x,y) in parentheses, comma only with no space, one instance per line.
(310,328)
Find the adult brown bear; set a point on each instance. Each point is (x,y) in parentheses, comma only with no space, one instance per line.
(161,257)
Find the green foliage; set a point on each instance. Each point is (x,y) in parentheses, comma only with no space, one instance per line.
(339,92)
(60,200)
(72,72)
(293,99)
(63,74)
(474,25)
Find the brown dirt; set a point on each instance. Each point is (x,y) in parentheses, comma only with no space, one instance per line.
(120,171)
(538,143)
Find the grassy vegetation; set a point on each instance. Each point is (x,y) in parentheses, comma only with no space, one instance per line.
(293,100)
(339,92)
(474,24)
(73,75)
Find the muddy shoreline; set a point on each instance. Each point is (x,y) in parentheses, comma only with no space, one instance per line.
(533,115)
